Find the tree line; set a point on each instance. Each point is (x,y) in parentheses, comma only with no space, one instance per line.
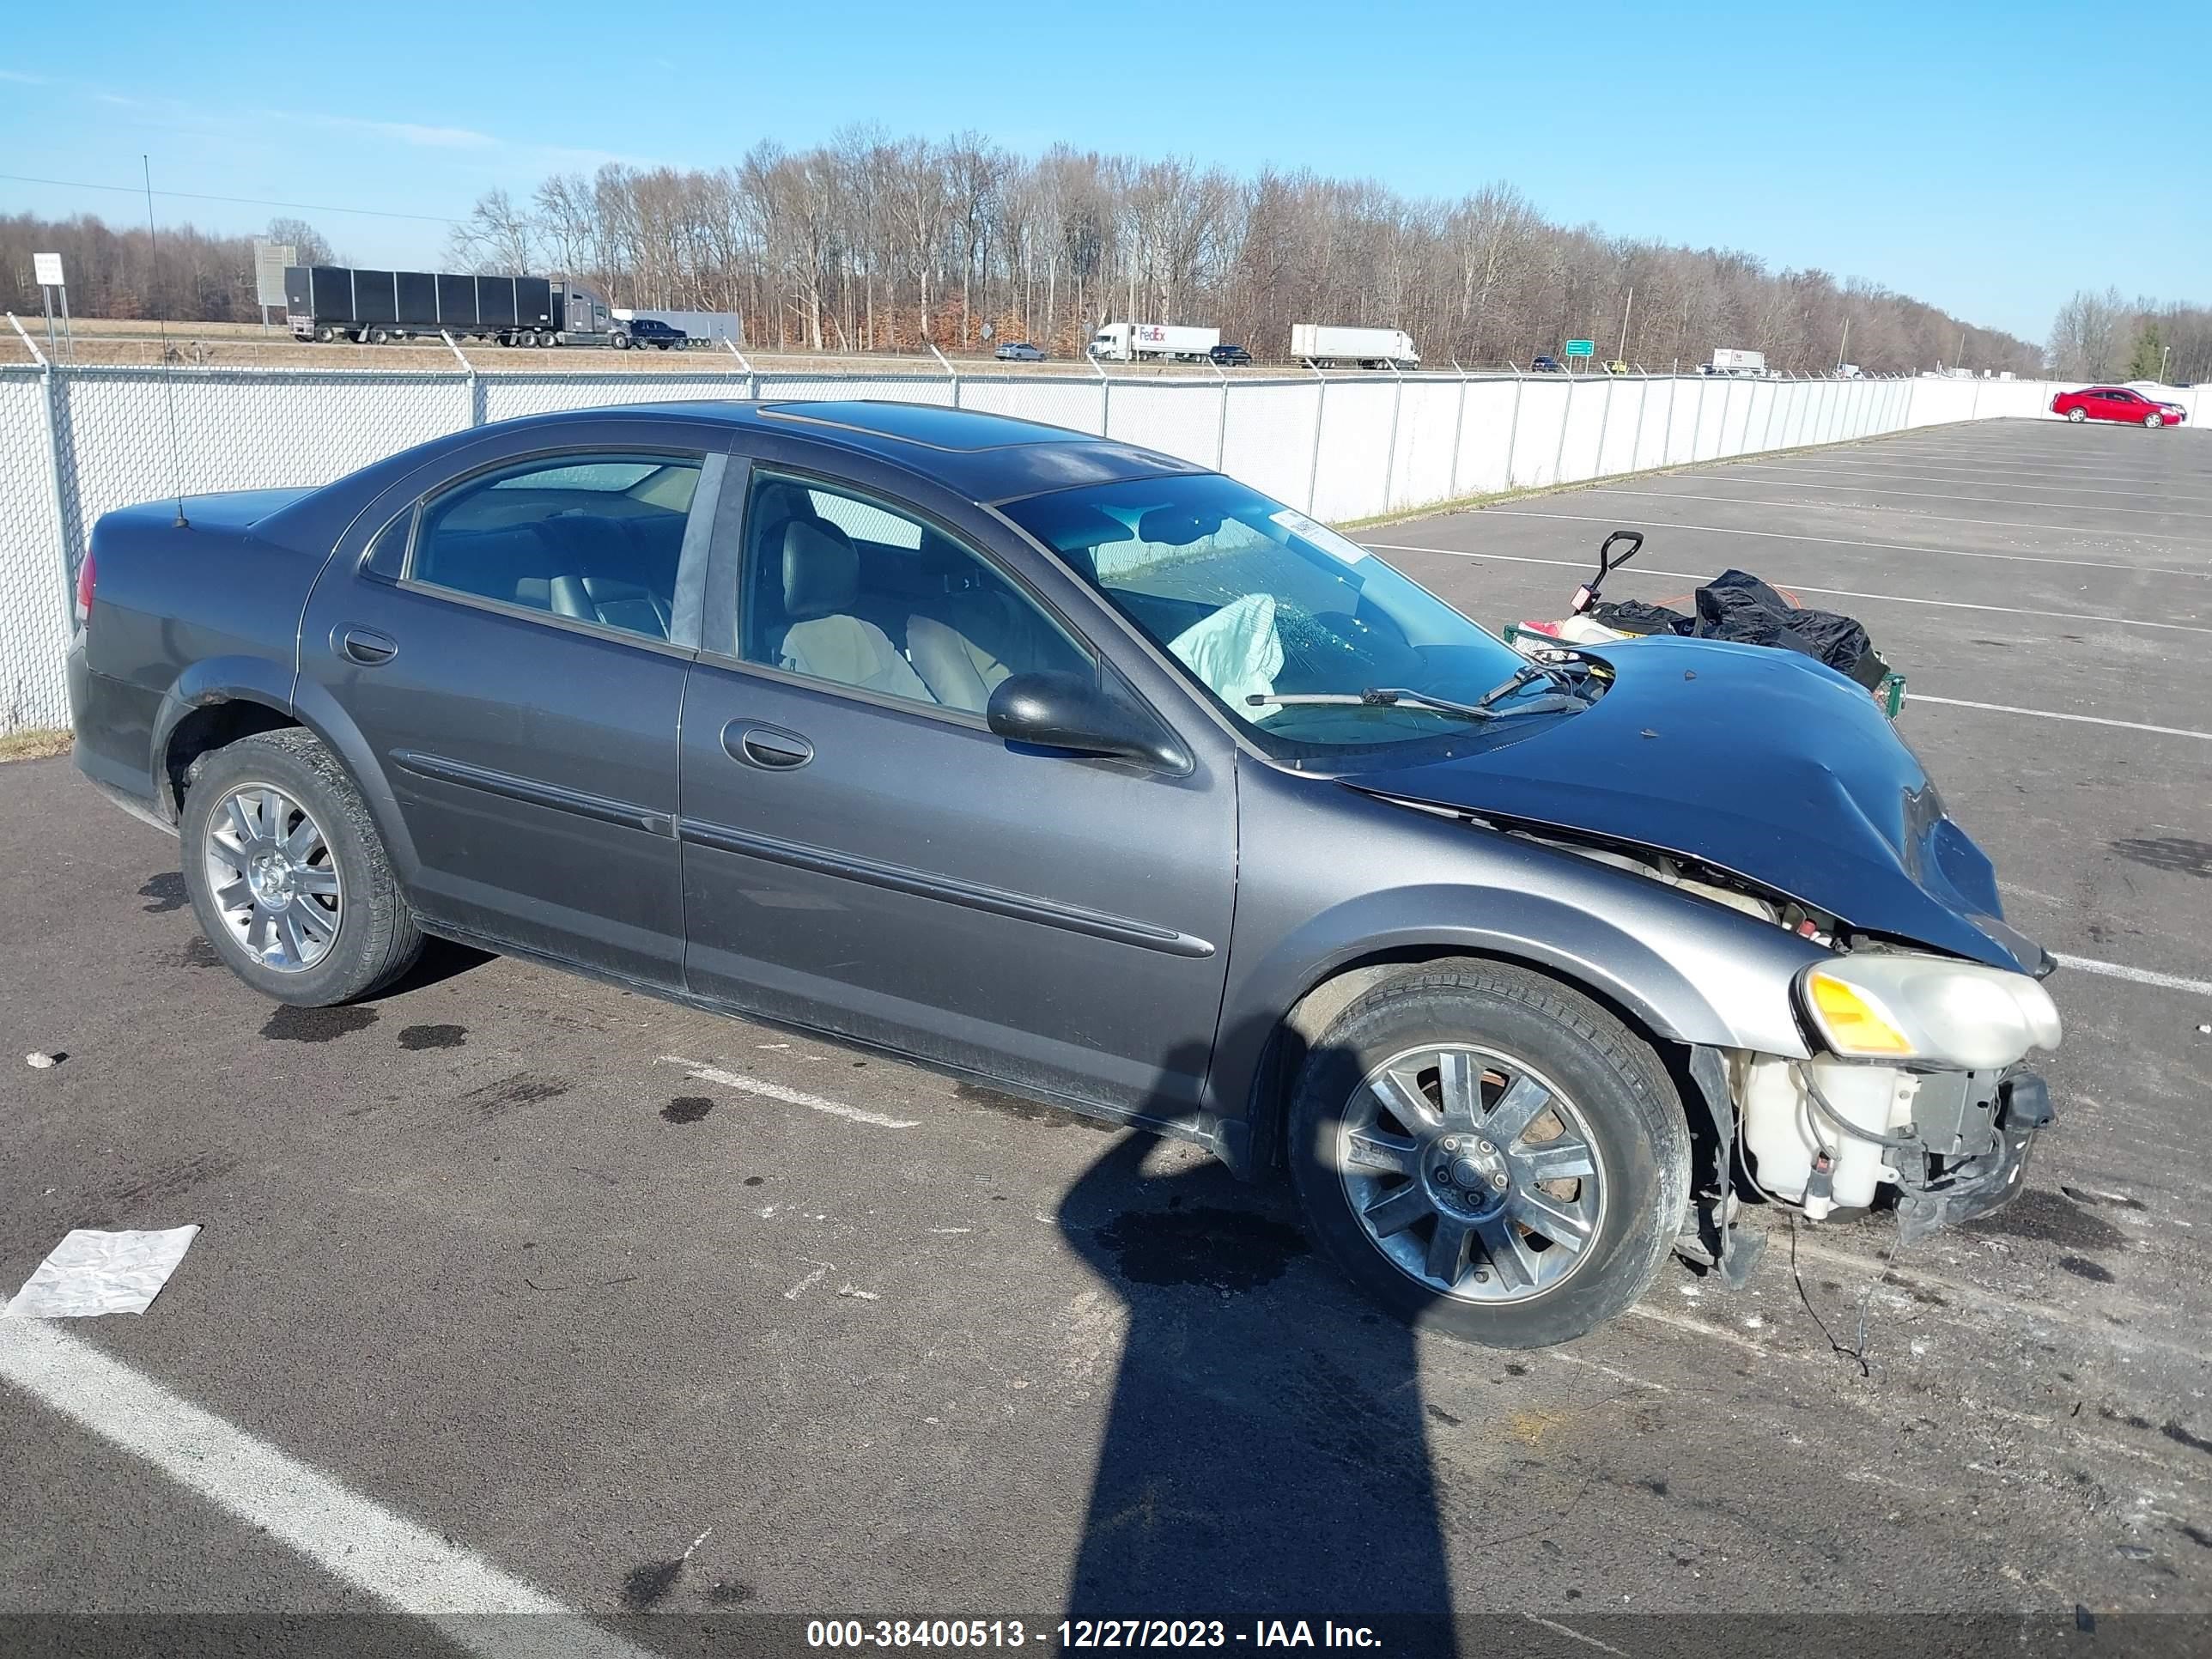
(872,242)
(2102,336)
(185,274)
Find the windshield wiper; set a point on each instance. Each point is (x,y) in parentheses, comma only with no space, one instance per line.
(1526,673)
(1376,696)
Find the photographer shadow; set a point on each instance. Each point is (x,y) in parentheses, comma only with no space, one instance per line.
(1265,1449)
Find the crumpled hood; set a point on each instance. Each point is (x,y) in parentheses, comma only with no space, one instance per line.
(1761,762)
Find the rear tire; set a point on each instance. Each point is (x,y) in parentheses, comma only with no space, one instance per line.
(364,933)
(1546,1180)
(2077,415)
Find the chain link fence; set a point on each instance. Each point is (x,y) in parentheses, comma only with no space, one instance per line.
(78,441)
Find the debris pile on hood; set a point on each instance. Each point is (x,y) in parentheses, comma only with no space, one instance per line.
(1736,606)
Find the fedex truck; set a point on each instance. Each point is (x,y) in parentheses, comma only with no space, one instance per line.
(1322,344)
(1125,342)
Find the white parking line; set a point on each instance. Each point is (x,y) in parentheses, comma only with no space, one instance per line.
(1912,473)
(2053,714)
(351,1537)
(1932,518)
(1745,476)
(1845,541)
(2202,987)
(753,1086)
(1798,587)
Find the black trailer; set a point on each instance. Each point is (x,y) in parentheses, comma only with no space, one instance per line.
(343,302)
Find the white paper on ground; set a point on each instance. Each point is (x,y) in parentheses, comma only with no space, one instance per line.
(94,1272)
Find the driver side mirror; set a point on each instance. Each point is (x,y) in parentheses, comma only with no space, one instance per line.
(1073,712)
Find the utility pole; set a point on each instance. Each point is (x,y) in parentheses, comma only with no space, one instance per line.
(1622,354)
(2163,351)
(1844,347)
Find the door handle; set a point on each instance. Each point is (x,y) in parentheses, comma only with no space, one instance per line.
(769,747)
(366,646)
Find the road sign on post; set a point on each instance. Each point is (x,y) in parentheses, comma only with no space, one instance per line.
(1578,348)
(47,269)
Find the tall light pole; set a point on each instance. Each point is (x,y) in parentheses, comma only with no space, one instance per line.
(1622,354)
(1843,346)
(2163,352)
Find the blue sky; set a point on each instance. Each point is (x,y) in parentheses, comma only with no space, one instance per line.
(1989,158)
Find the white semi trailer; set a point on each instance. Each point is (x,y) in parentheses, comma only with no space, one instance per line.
(1125,342)
(1321,345)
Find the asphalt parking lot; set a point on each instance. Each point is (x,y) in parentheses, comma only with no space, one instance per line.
(638,1310)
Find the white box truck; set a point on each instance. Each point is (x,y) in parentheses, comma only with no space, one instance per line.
(1321,345)
(1125,342)
(1729,361)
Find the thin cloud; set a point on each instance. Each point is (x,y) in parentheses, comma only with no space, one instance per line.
(404,132)
(21,79)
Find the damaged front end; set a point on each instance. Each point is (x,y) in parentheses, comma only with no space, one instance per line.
(1916,1077)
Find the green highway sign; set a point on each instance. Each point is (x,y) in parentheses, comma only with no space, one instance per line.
(1578,348)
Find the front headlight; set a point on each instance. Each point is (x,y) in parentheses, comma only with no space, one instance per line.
(1930,1009)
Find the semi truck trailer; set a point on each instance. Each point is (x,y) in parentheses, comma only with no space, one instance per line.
(1124,342)
(1322,344)
(343,302)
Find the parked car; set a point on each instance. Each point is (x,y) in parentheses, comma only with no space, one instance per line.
(1229,356)
(2117,403)
(1018,351)
(1097,777)
(643,331)
(1544,363)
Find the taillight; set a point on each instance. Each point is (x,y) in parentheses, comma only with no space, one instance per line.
(84,580)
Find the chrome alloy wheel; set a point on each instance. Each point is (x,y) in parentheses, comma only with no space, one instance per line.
(1472,1173)
(274,877)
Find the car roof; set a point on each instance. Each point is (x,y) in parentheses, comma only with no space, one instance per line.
(985,457)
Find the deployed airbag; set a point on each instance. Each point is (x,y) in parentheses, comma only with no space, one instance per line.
(1235,651)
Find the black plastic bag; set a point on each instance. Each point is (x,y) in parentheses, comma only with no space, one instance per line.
(1736,605)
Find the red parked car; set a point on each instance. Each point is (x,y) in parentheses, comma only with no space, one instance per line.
(2115,403)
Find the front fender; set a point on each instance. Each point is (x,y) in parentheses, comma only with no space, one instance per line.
(1687,970)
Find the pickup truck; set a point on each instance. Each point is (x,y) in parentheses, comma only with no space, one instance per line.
(913,727)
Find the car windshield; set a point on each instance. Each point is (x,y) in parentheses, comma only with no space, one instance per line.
(1265,608)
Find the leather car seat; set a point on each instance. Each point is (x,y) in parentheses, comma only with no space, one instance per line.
(825,639)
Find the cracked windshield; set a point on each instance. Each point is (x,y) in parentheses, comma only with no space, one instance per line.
(1301,634)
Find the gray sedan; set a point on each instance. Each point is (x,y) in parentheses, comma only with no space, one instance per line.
(1104,779)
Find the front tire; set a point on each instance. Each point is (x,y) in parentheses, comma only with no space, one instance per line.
(288,875)
(1489,1154)
(2154,420)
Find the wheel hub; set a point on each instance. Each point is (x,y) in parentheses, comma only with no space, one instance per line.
(271,876)
(1466,1174)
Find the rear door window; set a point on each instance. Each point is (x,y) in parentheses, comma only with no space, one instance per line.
(594,539)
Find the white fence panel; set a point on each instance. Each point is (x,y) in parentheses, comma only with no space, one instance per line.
(33,579)
(1485,437)
(1355,449)
(1428,424)
(1536,434)
(1181,417)
(1078,405)
(1271,437)
(508,397)
(234,429)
